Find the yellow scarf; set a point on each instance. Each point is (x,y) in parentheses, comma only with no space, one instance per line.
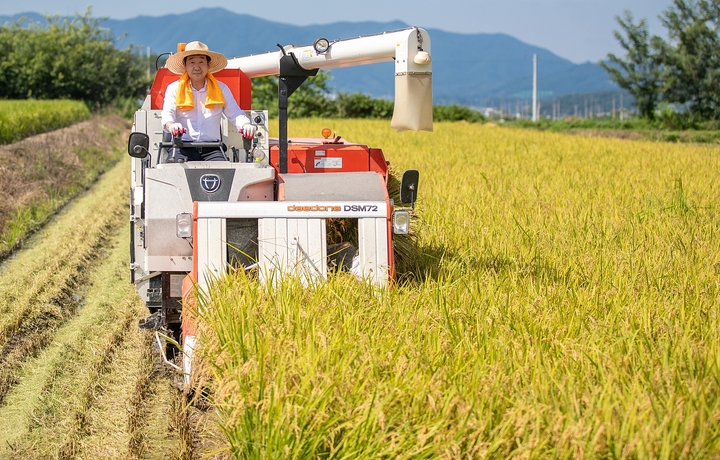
(184,98)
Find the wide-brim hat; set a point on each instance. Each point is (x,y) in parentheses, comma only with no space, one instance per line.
(176,64)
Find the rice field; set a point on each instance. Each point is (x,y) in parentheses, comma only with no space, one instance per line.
(565,304)
(22,118)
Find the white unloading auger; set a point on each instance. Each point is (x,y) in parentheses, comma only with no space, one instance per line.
(409,48)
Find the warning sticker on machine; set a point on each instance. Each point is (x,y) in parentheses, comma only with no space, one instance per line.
(328,163)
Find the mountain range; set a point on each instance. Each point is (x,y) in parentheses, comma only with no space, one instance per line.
(471,69)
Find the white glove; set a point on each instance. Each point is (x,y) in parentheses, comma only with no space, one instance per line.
(248,130)
(176,128)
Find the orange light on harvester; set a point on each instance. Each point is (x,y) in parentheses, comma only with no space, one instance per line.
(181,47)
(326,133)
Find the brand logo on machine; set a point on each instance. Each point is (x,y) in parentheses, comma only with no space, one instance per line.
(210,182)
(314,208)
(331,208)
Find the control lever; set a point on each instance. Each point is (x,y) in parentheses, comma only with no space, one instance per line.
(247,145)
(177,138)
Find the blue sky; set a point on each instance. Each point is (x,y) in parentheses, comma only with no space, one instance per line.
(579,30)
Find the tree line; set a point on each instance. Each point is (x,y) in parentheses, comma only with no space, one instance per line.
(316,99)
(68,58)
(680,73)
(74,58)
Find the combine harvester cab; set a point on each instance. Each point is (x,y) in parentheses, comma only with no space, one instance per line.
(268,206)
(162,194)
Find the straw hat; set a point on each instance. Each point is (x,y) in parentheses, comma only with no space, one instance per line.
(176,65)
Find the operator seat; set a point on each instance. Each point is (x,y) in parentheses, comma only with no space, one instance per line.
(239,84)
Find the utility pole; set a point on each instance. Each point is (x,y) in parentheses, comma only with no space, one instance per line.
(534,109)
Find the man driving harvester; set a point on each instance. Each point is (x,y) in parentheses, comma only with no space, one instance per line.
(194,104)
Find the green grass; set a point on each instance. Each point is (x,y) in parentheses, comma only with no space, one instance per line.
(22,118)
(565,304)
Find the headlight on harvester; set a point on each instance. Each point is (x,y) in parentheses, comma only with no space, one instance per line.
(401,222)
(183,225)
(321,45)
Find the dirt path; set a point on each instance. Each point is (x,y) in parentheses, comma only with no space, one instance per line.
(77,377)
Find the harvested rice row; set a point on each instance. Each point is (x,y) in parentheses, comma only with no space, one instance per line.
(48,405)
(76,426)
(43,280)
(88,393)
(42,287)
(35,330)
(111,421)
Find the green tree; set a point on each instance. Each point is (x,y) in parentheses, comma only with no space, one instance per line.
(359,105)
(311,99)
(68,59)
(456,112)
(639,71)
(691,57)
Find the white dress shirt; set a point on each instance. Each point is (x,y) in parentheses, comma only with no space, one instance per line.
(202,124)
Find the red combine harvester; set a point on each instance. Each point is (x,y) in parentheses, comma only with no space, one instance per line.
(269,205)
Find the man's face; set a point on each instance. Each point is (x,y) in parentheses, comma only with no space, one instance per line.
(196,67)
